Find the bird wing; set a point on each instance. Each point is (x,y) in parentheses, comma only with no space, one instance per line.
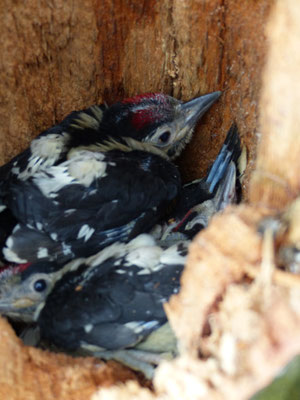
(94,198)
(112,305)
(52,145)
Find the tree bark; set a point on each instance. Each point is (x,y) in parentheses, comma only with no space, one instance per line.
(276,179)
(59,55)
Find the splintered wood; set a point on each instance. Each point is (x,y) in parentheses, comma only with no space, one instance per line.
(237,319)
(29,373)
(212,264)
(242,331)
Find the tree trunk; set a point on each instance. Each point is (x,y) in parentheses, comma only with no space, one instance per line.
(57,56)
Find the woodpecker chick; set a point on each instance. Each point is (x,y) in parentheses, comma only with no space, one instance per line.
(154,118)
(111,304)
(25,287)
(88,202)
(60,209)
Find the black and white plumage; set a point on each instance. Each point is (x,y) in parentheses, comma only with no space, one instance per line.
(104,304)
(87,203)
(7,224)
(199,200)
(19,297)
(114,300)
(185,224)
(152,118)
(55,201)
(111,304)
(82,205)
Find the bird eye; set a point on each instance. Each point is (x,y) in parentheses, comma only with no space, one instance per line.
(164,137)
(40,285)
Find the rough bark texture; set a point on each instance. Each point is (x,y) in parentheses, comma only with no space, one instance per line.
(58,56)
(276,180)
(61,55)
(28,373)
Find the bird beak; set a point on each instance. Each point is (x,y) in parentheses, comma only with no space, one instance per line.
(8,304)
(6,307)
(193,110)
(187,116)
(23,303)
(17,309)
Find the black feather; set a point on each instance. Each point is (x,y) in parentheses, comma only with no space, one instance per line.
(96,305)
(125,201)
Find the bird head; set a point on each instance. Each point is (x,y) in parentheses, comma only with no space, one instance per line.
(24,287)
(157,120)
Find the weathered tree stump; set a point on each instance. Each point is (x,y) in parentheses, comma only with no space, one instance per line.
(57,56)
